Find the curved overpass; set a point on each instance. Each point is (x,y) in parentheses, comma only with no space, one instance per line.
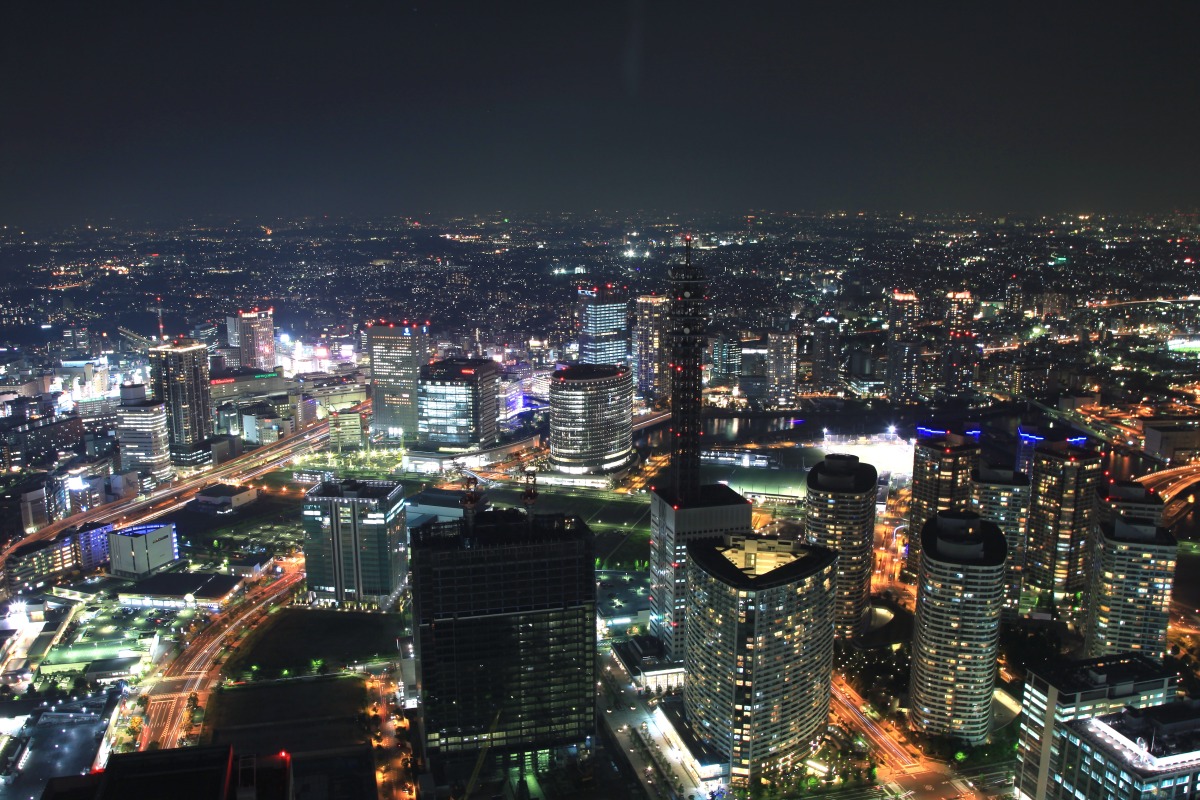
(1179,488)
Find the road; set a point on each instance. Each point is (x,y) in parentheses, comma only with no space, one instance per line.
(123,513)
(195,669)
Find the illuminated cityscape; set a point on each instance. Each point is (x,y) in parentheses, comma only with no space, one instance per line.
(599,401)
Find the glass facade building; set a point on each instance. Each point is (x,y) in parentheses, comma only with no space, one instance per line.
(354,543)
(1059,691)
(956,635)
(1133,754)
(840,515)
(826,353)
(179,375)
(504,608)
(256,339)
(759,651)
(397,352)
(591,418)
(456,404)
(604,325)
(143,439)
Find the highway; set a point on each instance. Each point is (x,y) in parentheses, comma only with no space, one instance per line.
(195,669)
(133,511)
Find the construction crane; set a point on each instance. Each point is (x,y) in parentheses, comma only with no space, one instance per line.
(487,745)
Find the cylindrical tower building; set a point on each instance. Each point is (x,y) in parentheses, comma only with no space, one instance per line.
(956,638)
(591,418)
(840,515)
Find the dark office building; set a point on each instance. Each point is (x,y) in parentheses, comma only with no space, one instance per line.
(505,619)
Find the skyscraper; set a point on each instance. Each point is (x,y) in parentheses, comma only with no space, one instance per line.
(1131,574)
(604,325)
(505,621)
(960,311)
(840,516)
(143,437)
(685,511)
(354,543)
(179,374)
(956,635)
(1058,691)
(903,347)
(397,352)
(456,404)
(256,338)
(942,465)
(1001,496)
(826,355)
(726,358)
(1062,513)
(783,350)
(759,651)
(650,346)
(591,418)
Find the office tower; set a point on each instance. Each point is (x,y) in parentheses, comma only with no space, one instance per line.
(650,346)
(142,436)
(1131,572)
(397,352)
(1058,691)
(782,353)
(456,404)
(1062,511)
(1129,499)
(1014,296)
(726,358)
(827,353)
(941,481)
(256,339)
(591,418)
(354,543)
(956,636)
(759,654)
(179,375)
(685,511)
(1001,496)
(1132,754)
(504,611)
(604,325)
(1030,437)
(840,515)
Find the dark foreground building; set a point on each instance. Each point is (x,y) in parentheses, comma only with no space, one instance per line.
(505,618)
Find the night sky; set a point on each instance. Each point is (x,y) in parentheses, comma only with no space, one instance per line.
(161,110)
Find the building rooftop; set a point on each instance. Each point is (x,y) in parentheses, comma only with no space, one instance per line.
(1137,530)
(1148,741)
(1122,670)
(843,473)
(498,527)
(223,490)
(1002,476)
(352,488)
(201,585)
(589,372)
(963,537)
(778,564)
(711,495)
